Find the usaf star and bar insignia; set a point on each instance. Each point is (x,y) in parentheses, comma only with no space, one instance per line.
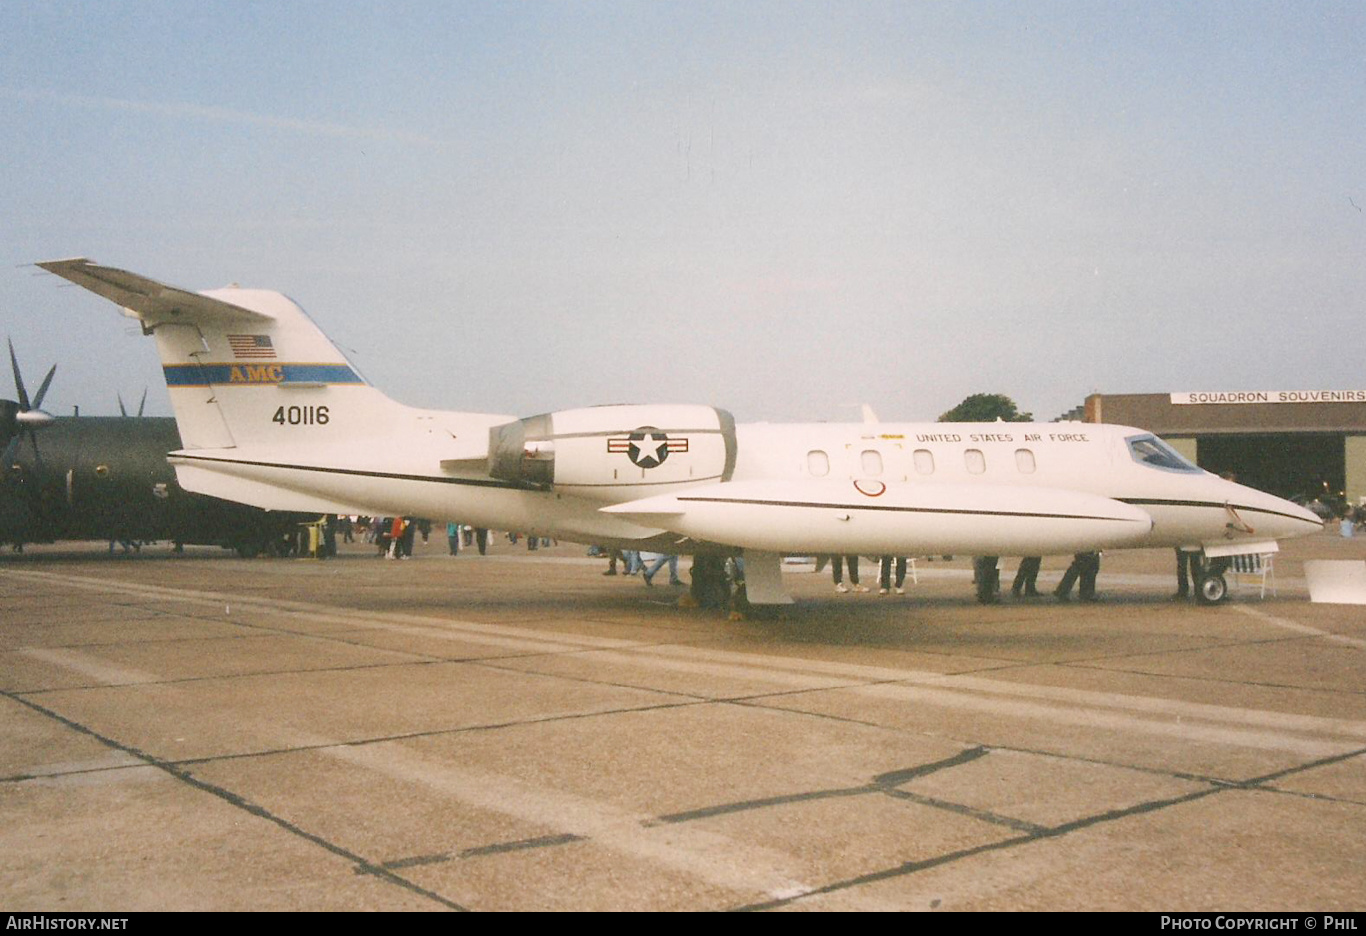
(647,447)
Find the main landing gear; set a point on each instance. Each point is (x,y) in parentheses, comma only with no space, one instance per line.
(710,587)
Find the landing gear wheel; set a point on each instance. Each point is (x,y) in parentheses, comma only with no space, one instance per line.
(1212,589)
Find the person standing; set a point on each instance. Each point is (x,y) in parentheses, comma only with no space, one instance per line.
(885,578)
(396,537)
(328,547)
(410,528)
(1187,572)
(1027,577)
(837,573)
(986,578)
(1085,566)
(653,562)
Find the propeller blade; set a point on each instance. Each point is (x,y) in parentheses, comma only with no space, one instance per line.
(37,455)
(42,390)
(7,459)
(9,427)
(18,381)
(143,403)
(27,416)
(123,410)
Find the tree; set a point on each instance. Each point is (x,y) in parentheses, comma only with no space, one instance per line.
(986,407)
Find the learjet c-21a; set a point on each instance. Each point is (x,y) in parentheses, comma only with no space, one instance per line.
(272,414)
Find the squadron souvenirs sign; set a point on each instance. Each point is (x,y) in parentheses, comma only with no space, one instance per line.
(1270,396)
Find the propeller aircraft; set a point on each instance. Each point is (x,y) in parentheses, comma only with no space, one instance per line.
(107,478)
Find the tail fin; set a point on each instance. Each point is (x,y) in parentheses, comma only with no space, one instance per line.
(244,367)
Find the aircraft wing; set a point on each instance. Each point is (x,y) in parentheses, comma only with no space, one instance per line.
(791,516)
(148,300)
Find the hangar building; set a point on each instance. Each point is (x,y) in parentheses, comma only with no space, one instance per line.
(1292,443)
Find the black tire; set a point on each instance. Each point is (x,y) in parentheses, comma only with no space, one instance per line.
(1212,589)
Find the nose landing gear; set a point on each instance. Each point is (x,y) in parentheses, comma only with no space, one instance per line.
(1212,587)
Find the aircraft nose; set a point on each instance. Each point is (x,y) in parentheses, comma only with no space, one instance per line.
(1284,519)
(1306,516)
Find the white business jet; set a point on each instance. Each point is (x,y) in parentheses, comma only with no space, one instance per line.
(272,414)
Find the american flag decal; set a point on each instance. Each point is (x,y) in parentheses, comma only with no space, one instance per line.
(251,346)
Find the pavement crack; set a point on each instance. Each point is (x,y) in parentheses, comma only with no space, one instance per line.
(914,867)
(496,848)
(433,733)
(1300,768)
(1250,683)
(882,783)
(184,776)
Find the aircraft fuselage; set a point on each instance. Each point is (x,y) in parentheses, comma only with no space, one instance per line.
(271,413)
(1000,489)
(94,477)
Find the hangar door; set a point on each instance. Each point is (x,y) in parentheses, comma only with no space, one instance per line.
(1287,464)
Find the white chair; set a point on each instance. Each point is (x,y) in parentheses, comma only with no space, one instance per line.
(1254,566)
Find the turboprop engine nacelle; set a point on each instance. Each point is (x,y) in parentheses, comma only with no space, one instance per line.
(616,453)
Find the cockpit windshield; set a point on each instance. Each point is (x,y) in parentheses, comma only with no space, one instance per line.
(1152,451)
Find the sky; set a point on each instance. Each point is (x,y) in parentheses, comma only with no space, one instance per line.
(785,209)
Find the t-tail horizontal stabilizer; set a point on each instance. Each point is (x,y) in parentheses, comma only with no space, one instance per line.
(146,299)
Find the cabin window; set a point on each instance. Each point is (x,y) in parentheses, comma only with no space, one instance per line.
(817,463)
(1152,451)
(871,462)
(975,460)
(1024,461)
(924,461)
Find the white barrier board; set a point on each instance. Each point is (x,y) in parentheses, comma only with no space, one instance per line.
(1336,581)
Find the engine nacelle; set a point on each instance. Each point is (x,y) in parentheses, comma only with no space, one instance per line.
(616,453)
